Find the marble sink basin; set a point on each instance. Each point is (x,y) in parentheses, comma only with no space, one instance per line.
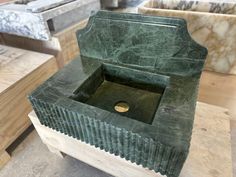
(211,23)
(132,91)
(123,92)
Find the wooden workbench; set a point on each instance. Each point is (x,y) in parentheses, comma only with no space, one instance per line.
(210,152)
(21,71)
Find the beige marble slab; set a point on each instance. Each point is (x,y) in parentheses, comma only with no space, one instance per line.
(215,31)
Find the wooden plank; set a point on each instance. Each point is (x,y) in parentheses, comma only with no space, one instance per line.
(210,152)
(4,158)
(51,47)
(21,71)
(16,63)
(233,144)
(68,41)
(5,1)
(218,89)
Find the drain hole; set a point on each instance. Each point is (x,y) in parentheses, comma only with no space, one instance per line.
(121,106)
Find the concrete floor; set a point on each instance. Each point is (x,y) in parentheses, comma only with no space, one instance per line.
(31,158)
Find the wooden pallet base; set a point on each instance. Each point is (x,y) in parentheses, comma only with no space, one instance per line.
(4,158)
(210,152)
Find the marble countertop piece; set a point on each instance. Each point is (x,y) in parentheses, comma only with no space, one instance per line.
(17,19)
(42,5)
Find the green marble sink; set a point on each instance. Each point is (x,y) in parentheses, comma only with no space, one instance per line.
(114,85)
(131,92)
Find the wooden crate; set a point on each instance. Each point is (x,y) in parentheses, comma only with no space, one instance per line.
(210,152)
(21,71)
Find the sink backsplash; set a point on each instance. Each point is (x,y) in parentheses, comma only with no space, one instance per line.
(164,46)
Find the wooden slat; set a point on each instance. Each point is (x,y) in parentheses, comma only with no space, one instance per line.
(4,158)
(68,41)
(218,89)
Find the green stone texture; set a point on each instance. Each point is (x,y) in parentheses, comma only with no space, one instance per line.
(151,63)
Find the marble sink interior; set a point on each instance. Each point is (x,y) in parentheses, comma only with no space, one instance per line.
(123,95)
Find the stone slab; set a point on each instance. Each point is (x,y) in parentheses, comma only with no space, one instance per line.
(215,31)
(16,19)
(42,5)
(212,6)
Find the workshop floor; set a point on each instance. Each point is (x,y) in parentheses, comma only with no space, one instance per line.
(32,159)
